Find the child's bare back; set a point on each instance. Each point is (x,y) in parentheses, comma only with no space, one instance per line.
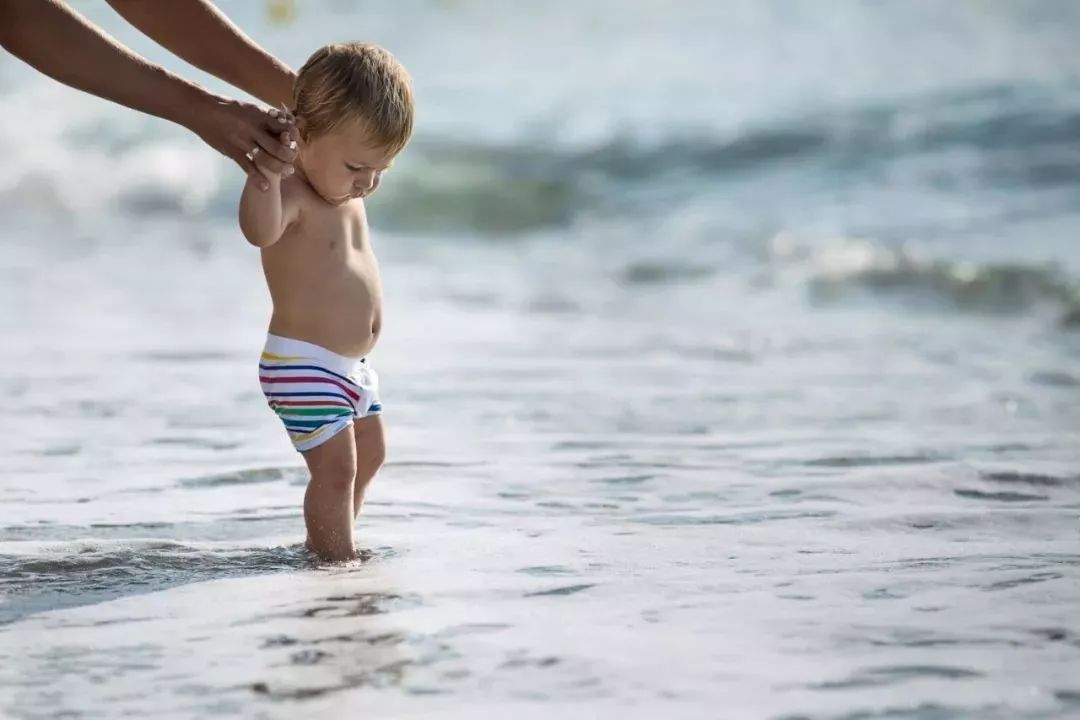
(354,114)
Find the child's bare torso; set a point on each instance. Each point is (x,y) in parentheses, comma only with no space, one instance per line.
(323,276)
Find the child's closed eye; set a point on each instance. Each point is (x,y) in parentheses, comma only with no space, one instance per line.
(360,168)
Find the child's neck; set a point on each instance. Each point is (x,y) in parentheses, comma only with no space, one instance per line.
(298,166)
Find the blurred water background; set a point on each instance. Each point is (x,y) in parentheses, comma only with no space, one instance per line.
(731,365)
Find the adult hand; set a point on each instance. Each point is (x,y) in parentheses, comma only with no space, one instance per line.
(50,36)
(251,137)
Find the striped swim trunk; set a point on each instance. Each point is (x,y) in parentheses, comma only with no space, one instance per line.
(315,392)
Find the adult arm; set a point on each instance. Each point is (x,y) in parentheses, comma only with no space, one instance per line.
(196,31)
(57,41)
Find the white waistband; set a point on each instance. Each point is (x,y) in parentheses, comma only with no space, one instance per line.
(300,350)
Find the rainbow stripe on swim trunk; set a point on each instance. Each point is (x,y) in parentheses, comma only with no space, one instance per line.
(316,393)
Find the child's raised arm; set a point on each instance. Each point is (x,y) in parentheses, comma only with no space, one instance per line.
(264,214)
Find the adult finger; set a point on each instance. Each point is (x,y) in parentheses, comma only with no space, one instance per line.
(280,117)
(294,133)
(272,145)
(270,163)
(288,128)
(277,121)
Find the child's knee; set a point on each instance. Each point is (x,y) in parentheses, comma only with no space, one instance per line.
(376,457)
(335,475)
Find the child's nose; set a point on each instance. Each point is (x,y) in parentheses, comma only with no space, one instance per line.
(364,181)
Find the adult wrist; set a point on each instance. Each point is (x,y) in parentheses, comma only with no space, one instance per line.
(194,105)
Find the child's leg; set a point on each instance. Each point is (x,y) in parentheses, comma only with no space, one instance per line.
(370,454)
(328,502)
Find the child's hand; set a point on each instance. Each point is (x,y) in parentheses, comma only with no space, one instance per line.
(269,166)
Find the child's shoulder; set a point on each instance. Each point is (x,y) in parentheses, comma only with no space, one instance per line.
(299,201)
(296,191)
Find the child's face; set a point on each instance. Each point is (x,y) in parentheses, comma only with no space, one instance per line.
(343,164)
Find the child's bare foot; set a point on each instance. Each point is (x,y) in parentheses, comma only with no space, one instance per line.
(357,554)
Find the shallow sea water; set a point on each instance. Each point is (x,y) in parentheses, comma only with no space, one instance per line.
(775,417)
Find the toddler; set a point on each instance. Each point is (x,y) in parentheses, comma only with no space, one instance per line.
(354,113)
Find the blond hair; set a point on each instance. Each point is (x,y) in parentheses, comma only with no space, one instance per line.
(359,82)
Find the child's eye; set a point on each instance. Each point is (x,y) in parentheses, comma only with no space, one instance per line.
(352,168)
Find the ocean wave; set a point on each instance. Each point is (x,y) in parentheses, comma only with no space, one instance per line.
(1020,136)
(450,185)
(836,269)
(71,574)
(1008,135)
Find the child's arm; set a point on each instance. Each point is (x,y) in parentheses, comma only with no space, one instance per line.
(265,214)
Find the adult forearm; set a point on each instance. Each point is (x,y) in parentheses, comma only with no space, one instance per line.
(198,32)
(60,43)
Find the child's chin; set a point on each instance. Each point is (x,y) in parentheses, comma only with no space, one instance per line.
(335,201)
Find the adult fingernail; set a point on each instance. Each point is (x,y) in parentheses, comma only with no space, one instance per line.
(292,144)
(265,185)
(273,112)
(282,120)
(288,171)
